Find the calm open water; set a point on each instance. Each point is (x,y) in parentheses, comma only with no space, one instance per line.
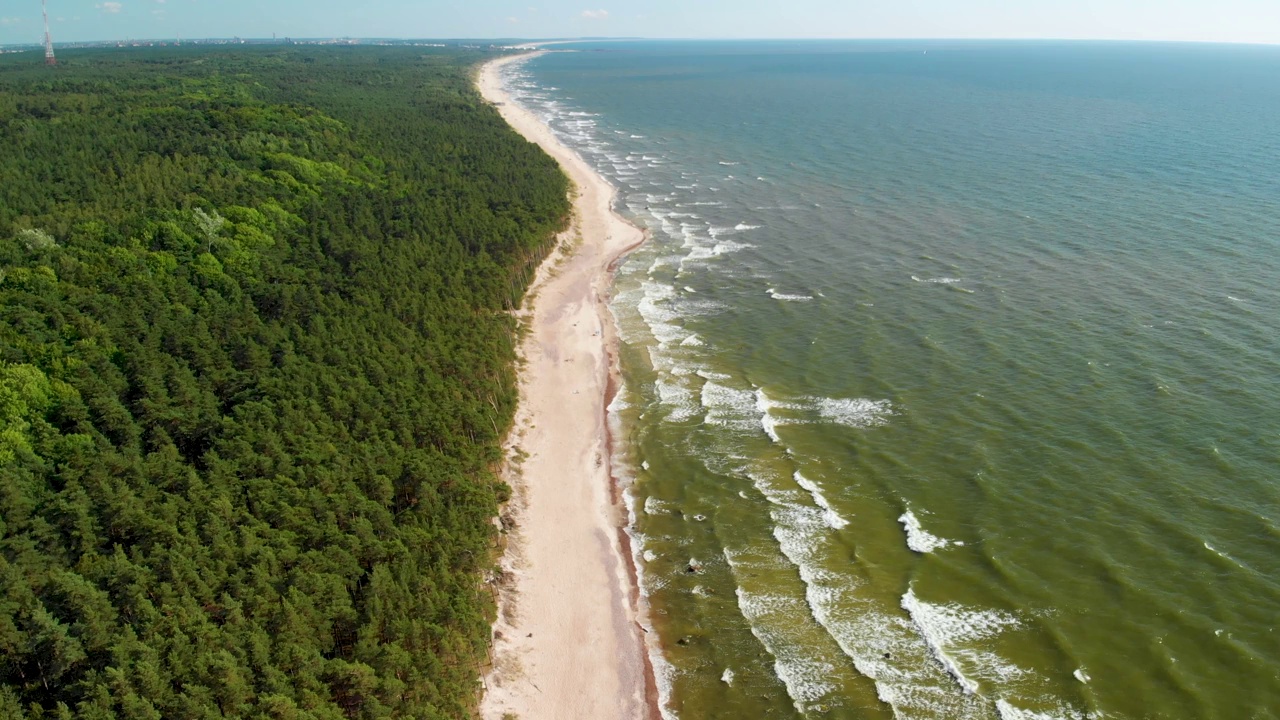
(952,371)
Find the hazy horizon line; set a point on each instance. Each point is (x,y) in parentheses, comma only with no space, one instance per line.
(533,40)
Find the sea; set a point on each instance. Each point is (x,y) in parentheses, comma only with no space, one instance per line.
(952,371)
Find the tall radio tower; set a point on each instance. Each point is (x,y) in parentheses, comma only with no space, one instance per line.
(49,59)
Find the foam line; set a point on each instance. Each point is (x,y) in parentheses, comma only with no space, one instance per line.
(917,538)
(829,515)
(943,626)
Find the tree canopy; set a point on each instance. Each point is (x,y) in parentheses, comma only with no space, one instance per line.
(256,362)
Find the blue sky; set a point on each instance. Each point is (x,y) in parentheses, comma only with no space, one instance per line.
(1201,20)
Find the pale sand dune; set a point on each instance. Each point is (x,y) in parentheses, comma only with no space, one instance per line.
(569,642)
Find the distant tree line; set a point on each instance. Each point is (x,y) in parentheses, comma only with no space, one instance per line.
(256,361)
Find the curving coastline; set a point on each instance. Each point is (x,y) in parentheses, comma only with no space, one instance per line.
(568,639)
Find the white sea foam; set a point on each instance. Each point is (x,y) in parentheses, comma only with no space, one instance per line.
(854,412)
(664,671)
(656,309)
(728,246)
(706,374)
(618,403)
(851,412)
(660,262)
(689,237)
(829,515)
(728,407)
(945,627)
(654,506)
(702,251)
(722,162)
(1226,557)
(773,293)
(769,615)
(937,280)
(727,677)
(768,422)
(626,310)
(917,538)
(1009,711)
(1081,675)
(699,252)
(887,648)
(743,226)
(679,398)
(661,360)
(912,683)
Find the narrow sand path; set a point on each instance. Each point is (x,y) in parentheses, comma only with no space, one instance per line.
(568,642)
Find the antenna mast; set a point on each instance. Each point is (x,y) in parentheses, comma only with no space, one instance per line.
(49,59)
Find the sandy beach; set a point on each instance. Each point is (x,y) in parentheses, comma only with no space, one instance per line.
(568,643)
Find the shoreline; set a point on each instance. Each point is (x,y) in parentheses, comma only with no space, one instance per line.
(568,640)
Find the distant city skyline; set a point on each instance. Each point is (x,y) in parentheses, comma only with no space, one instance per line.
(1239,21)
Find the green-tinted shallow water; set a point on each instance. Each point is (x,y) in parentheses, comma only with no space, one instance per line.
(953,371)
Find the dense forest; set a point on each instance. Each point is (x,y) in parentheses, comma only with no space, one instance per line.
(256,361)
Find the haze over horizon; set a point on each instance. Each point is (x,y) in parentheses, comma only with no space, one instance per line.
(1233,21)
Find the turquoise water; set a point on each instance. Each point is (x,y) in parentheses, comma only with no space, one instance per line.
(952,371)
